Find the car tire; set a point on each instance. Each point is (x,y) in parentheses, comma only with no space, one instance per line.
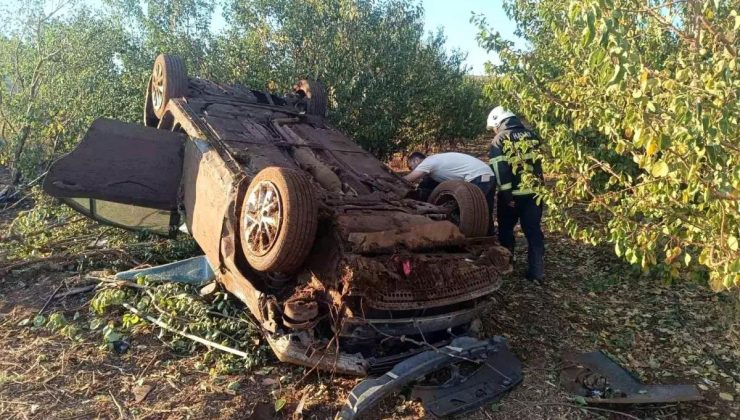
(169,80)
(278,220)
(316,97)
(472,214)
(150,118)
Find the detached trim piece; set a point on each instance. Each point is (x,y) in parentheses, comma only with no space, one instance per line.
(602,381)
(495,376)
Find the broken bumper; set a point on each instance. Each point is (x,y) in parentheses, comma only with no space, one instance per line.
(498,371)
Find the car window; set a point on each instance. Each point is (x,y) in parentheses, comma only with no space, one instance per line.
(127,216)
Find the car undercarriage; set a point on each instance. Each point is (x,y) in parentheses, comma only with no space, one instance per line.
(342,266)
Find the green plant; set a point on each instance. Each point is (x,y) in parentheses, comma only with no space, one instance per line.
(220,319)
(638,106)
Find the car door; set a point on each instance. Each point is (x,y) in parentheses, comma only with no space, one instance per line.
(125,175)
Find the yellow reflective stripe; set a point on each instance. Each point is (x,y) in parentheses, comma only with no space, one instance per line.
(522,192)
(497,159)
(505,187)
(495,172)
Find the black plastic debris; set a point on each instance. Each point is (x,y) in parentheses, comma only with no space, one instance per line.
(462,376)
(600,380)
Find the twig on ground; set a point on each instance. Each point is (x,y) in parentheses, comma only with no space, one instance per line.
(56,258)
(118,406)
(116,282)
(151,361)
(200,340)
(76,291)
(43,308)
(582,407)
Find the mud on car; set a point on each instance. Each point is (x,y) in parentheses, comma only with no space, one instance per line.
(328,249)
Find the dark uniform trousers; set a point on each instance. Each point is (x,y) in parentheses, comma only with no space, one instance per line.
(529,214)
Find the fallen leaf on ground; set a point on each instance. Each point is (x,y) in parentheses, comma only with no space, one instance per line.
(727,397)
(269,382)
(141,392)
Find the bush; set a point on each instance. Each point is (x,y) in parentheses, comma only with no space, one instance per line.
(638,104)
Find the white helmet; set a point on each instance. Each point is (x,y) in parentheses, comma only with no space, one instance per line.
(497,116)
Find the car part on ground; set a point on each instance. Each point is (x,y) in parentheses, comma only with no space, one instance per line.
(600,380)
(196,271)
(321,241)
(468,204)
(495,371)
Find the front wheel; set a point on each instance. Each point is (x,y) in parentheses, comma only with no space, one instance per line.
(278,220)
(469,208)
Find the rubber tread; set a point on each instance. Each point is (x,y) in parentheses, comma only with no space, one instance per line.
(299,221)
(474,212)
(176,80)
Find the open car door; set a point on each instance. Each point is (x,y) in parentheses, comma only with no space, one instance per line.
(124,175)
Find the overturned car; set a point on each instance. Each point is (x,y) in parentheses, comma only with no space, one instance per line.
(343,268)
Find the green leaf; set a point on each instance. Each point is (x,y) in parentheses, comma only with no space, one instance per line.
(587,36)
(279,404)
(580,400)
(96,323)
(39,321)
(659,169)
(732,243)
(617,75)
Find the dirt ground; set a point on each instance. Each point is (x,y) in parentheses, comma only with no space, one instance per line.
(681,333)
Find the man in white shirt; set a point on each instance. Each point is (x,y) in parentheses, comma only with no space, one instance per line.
(451,166)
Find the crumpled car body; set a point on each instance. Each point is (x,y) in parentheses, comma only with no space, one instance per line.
(360,264)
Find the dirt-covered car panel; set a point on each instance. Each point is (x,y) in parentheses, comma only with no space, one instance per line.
(123,163)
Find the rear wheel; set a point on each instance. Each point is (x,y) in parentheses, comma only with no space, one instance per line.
(278,220)
(150,118)
(469,208)
(169,80)
(316,97)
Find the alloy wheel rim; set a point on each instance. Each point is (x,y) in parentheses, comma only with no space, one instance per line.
(262,218)
(157,87)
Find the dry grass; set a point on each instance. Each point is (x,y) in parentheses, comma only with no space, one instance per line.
(664,333)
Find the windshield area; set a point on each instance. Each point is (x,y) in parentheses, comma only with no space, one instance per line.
(127,216)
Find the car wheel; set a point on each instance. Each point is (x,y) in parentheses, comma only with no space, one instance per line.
(150,118)
(278,220)
(169,80)
(469,208)
(315,92)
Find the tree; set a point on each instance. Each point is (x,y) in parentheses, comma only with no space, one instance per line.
(390,86)
(638,104)
(58,72)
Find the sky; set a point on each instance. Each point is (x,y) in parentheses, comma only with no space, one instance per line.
(454,17)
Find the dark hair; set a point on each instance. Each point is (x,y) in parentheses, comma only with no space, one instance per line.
(416,155)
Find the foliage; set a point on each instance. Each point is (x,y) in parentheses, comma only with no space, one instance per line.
(64,64)
(47,229)
(638,105)
(57,75)
(389,86)
(220,319)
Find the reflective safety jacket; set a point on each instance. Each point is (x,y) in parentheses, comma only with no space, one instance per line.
(513,131)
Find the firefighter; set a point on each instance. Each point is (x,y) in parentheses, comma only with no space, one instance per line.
(514,203)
